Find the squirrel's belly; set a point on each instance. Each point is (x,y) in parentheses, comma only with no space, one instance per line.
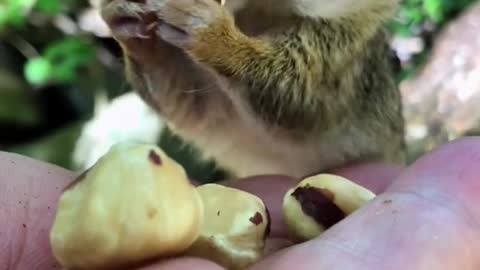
(246,155)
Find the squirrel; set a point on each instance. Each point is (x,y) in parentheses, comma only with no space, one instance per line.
(270,87)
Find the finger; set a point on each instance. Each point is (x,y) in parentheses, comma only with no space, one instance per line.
(274,244)
(184,264)
(428,219)
(201,264)
(28,192)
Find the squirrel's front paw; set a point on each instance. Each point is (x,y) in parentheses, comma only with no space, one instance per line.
(183,22)
(132,25)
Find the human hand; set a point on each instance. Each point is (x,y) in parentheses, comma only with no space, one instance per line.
(425,217)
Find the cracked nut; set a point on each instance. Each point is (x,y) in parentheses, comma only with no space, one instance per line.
(134,205)
(319,202)
(235,228)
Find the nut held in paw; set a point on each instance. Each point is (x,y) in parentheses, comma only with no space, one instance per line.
(235,228)
(135,204)
(319,202)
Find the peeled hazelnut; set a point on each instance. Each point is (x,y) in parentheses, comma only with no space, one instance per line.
(319,202)
(235,228)
(135,204)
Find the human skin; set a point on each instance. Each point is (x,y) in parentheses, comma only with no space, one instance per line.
(425,217)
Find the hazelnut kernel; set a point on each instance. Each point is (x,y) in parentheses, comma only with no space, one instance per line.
(127,209)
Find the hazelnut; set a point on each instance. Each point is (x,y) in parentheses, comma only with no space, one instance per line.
(134,205)
(319,202)
(235,228)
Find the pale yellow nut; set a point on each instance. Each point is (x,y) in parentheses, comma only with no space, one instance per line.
(135,204)
(319,202)
(235,228)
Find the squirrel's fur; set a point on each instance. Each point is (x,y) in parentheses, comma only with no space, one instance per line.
(292,87)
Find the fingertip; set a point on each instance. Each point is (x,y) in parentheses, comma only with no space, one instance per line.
(29,190)
(13,163)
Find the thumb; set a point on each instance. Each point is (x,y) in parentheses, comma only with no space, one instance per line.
(427,219)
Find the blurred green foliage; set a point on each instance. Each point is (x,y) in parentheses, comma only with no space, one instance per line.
(15,13)
(61,58)
(59,62)
(424,19)
(414,14)
(50,76)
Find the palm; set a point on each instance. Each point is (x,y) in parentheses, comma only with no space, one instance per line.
(425,219)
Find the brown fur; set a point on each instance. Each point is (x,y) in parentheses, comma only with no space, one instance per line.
(268,90)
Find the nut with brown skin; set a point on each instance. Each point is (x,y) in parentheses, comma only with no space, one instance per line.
(134,205)
(319,202)
(235,228)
